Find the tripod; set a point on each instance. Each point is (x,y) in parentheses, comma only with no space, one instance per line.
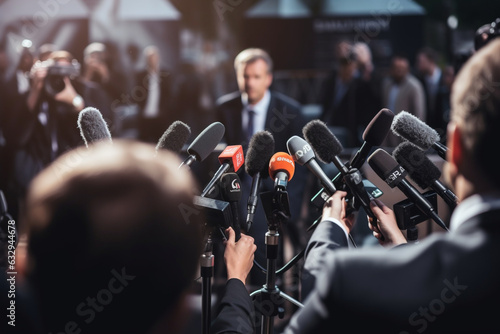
(277,211)
(207,272)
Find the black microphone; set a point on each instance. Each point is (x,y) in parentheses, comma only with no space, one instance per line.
(93,127)
(204,143)
(423,171)
(260,150)
(303,154)
(374,134)
(230,187)
(411,128)
(327,148)
(231,158)
(387,168)
(174,137)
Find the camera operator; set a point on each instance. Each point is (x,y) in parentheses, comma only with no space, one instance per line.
(41,125)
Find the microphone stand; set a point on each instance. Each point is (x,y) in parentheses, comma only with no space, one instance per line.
(207,272)
(277,211)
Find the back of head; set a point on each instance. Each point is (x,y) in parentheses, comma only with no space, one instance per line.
(109,245)
(476,108)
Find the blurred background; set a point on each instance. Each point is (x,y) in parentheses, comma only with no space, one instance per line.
(199,39)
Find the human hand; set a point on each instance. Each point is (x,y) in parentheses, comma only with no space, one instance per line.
(68,94)
(335,207)
(386,229)
(239,255)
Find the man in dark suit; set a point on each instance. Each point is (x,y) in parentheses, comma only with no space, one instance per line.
(154,104)
(255,107)
(432,78)
(448,282)
(348,99)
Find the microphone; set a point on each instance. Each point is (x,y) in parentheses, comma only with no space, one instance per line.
(174,137)
(260,151)
(302,154)
(387,168)
(411,128)
(204,143)
(230,158)
(423,171)
(374,134)
(327,148)
(230,186)
(281,169)
(93,127)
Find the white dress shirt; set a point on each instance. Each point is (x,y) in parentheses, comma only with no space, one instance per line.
(260,110)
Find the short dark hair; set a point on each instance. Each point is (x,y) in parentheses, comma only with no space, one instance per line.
(429,53)
(110,224)
(475,100)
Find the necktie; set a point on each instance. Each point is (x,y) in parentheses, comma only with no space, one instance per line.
(251,115)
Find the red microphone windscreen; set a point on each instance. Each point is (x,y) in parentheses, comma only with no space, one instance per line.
(234,155)
(281,162)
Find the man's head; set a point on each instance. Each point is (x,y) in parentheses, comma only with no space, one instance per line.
(113,243)
(474,123)
(400,67)
(254,73)
(426,60)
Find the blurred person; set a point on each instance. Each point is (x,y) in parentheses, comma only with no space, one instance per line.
(155,112)
(402,91)
(253,108)
(448,281)
(346,96)
(444,95)
(4,64)
(41,123)
(45,50)
(99,68)
(110,249)
(369,89)
(432,79)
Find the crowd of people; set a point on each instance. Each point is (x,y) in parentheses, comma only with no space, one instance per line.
(105,236)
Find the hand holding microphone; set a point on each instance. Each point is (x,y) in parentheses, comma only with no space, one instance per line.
(386,229)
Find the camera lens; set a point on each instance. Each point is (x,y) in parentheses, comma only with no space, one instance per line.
(54,84)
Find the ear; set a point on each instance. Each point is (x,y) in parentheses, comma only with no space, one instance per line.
(455,146)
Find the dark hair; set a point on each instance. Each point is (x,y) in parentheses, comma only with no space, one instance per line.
(112,227)
(429,53)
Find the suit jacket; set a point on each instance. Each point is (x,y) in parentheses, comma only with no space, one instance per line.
(142,80)
(234,310)
(446,283)
(435,110)
(283,120)
(355,109)
(410,98)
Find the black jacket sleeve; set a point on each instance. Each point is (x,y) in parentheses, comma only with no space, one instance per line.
(235,311)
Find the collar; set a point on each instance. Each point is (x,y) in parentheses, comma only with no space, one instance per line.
(260,107)
(474,206)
